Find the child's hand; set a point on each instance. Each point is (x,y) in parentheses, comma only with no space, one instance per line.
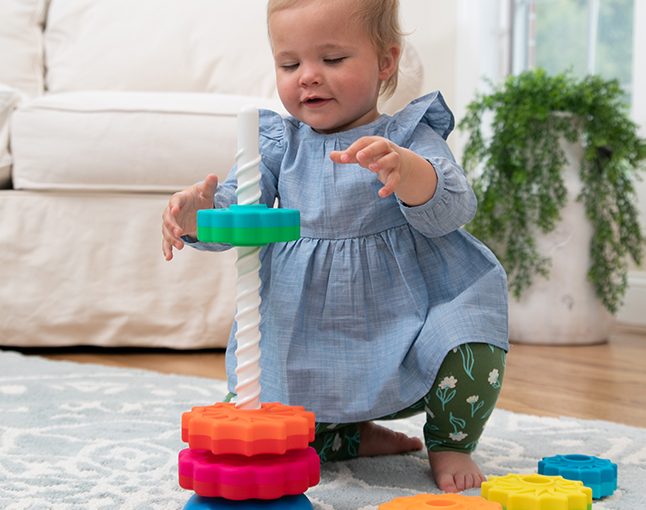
(378,155)
(179,217)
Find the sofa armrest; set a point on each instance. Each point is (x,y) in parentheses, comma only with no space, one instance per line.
(9,100)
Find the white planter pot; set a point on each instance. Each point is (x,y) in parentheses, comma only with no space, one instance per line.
(564,308)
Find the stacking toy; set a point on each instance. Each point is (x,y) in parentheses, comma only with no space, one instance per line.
(273,428)
(538,492)
(440,501)
(248,455)
(236,477)
(287,503)
(598,474)
(248,225)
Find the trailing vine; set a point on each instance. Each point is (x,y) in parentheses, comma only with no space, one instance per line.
(517,173)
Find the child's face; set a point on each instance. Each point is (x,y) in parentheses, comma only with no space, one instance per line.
(328,72)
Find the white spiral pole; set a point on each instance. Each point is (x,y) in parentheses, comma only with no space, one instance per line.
(248,265)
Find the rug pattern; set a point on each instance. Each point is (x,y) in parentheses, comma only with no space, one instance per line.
(90,437)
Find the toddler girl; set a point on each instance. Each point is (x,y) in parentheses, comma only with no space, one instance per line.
(384,307)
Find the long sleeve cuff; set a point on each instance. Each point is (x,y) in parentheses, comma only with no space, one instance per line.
(452,206)
(199,245)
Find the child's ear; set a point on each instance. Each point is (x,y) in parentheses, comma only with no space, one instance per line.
(389,61)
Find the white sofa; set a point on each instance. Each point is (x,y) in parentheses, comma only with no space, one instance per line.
(106,108)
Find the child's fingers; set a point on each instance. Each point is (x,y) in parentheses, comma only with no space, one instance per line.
(391,180)
(172,220)
(378,155)
(374,152)
(178,213)
(389,161)
(208,186)
(168,244)
(349,155)
(172,236)
(170,215)
(342,157)
(167,249)
(168,239)
(387,170)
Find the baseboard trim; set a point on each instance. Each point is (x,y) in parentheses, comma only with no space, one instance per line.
(633,313)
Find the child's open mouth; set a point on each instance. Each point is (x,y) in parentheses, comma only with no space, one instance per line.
(316,101)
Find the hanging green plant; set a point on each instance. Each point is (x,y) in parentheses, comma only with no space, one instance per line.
(517,173)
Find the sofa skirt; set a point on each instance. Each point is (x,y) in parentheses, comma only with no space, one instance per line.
(87,269)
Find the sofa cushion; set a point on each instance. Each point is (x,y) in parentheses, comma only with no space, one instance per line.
(174,46)
(21,43)
(134,141)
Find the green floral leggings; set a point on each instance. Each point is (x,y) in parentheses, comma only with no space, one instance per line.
(457,407)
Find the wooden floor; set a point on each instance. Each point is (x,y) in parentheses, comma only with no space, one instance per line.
(606,382)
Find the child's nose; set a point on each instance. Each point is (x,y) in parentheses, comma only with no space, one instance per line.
(310,75)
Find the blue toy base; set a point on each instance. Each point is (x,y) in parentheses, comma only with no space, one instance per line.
(299,502)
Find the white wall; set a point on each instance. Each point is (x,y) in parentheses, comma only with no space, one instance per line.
(634,310)
(430,25)
(460,42)
(463,41)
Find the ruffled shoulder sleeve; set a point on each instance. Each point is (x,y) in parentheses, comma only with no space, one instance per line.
(272,139)
(430,110)
(423,127)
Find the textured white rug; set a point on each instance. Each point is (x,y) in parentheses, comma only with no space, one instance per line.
(92,437)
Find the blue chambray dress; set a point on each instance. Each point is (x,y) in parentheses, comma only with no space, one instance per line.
(358,314)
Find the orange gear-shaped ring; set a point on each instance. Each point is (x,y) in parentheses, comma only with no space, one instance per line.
(440,501)
(224,429)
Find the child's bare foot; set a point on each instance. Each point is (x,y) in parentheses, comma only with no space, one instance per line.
(455,471)
(378,440)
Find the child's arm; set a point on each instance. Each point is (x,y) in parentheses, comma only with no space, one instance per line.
(400,170)
(179,217)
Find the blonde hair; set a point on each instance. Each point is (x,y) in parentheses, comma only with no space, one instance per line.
(380,19)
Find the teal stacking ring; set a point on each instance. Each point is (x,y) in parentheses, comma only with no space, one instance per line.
(598,474)
(248,225)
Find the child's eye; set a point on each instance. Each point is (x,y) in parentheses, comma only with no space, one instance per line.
(336,60)
(289,67)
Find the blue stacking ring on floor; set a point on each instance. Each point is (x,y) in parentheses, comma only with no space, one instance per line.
(299,502)
(598,474)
